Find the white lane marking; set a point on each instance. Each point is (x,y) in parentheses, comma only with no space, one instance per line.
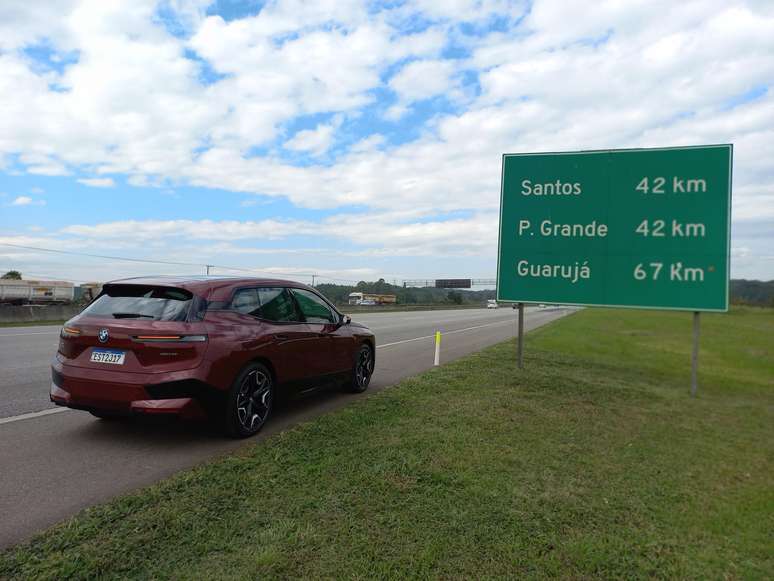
(24,334)
(33,415)
(446,333)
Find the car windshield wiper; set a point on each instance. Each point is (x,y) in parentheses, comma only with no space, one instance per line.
(132,316)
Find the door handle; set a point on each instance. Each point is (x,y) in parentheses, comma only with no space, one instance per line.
(281,337)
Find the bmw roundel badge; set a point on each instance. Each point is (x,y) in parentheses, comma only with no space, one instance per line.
(103,335)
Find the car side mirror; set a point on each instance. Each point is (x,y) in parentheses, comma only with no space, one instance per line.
(346,319)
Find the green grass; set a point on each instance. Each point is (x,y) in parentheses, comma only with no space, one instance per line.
(593,462)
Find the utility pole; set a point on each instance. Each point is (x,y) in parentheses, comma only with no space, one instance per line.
(208,266)
(313,277)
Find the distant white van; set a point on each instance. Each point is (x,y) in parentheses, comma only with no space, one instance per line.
(491,304)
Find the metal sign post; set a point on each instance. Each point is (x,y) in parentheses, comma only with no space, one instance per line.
(521,336)
(695,354)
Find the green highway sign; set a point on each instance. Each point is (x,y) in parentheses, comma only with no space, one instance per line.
(641,228)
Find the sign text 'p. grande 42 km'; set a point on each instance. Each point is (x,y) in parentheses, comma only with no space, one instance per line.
(624,228)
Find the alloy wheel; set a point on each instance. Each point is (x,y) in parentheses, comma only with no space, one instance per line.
(254,400)
(364,367)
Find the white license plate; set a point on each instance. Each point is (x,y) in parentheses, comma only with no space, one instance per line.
(107,356)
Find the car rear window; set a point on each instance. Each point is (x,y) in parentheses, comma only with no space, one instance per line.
(141,302)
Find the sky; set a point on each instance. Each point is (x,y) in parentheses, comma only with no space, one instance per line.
(350,140)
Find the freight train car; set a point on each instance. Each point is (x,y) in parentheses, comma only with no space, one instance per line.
(35,292)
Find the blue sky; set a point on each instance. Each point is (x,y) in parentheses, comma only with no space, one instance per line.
(355,140)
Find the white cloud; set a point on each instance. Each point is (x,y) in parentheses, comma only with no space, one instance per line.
(315,141)
(32,21)
(421,80)
(323,68)
(97,182)
(201,230)
(570,76)
(27,201)
(405,233)
(369,144)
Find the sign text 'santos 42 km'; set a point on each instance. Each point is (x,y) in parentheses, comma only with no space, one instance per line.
(624,228)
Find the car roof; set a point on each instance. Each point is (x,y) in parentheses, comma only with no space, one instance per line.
(204,285)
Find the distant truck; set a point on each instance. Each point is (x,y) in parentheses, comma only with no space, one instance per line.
(35,292)
(366,299)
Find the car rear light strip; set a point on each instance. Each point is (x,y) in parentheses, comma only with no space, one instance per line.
(171,338)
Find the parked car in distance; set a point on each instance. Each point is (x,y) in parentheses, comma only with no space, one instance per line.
(491,304)
(224,348)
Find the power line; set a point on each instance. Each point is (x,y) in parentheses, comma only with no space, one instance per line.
(151,261)
(71,252)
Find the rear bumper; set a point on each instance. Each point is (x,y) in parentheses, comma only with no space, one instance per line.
(125,393)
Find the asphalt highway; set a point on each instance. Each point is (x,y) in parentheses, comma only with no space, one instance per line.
(55,462)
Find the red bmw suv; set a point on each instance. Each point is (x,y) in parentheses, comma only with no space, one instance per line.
(226,348)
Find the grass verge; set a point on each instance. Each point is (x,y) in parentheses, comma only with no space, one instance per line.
(593,462)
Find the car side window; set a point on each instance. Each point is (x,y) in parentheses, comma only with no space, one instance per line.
(314,309)
(277,305)
(246,302)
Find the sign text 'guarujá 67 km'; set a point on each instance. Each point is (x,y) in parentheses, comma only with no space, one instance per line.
(644,228)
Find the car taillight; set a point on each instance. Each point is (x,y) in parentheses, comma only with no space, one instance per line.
(69,332)
(170,338)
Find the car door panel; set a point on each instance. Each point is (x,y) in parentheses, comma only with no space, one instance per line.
(332,356)
(293,339)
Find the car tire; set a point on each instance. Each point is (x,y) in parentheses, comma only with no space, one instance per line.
(249,401)
(362,370)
